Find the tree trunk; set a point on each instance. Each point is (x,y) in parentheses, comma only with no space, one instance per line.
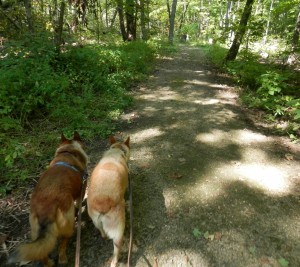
(268,22)
(295,40)
(171,20)
(59,27)
(130,20)
(121,19)
(183,14)
(234,49)
(28,11)
(144,20)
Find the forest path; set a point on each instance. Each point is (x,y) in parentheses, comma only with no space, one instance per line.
(209,188)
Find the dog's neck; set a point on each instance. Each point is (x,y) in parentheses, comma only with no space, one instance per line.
(120,148)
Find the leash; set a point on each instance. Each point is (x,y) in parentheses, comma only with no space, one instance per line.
(77,253)
(131,221)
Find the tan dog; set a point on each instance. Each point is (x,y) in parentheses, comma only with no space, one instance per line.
(106,204)
(52,210)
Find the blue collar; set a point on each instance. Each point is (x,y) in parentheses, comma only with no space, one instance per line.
(65,164)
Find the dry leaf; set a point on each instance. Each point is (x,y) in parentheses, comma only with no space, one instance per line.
(289,157)
(264,260)
(218,236)
(176,176)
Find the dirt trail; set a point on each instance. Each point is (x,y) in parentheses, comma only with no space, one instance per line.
(209,188)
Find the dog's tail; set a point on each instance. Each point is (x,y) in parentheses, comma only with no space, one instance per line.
(38,249)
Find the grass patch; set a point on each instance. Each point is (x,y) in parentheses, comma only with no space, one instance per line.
(44,93)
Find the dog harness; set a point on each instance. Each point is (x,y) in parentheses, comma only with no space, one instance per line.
(65,164)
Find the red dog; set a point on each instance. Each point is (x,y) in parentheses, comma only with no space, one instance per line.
(52,210)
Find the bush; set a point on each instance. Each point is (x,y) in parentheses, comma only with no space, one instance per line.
(43,93)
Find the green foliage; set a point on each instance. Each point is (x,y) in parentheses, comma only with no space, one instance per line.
(45,93)
(268,87)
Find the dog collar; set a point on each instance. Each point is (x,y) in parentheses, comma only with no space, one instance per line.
(65,164)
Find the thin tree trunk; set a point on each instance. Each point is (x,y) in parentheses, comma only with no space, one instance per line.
(234,49)
(182,18)
(172,13)
(143,20)
(59,26)
(113,19)
(295,39)
(121,19)
(28,11)
(268,22)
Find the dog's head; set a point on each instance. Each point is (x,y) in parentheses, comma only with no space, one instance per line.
(73,145)
(123,146)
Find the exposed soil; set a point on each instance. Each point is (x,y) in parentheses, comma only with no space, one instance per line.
(212,186)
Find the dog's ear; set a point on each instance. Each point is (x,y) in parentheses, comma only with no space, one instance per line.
(127,141)
(63,138)
(112,140)
(76,136)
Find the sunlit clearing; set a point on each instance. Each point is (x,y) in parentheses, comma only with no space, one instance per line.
(147,134)
(267,178)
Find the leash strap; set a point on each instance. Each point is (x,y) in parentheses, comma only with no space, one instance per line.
(131,221)
(77,255)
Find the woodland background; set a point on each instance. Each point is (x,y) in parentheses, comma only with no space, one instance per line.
(70,65)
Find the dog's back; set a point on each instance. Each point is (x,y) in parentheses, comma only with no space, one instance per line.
(106,204)
(108,182)
(52,208)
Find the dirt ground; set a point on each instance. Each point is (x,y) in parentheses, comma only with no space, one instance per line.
(212,186)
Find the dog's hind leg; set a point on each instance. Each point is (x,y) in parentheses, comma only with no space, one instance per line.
(116,231)
(66,228)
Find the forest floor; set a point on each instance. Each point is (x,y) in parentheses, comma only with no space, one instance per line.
(212,186)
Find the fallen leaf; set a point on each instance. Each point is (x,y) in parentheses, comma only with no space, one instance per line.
(252,250)
(197,233)
(176,176)
(264,260)
(218,236)
(283,262)
(211,237)
(289,157)
(206,235)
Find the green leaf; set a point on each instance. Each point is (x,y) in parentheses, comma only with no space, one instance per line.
(206,235)
(283,262)
(252,250)
(197,233)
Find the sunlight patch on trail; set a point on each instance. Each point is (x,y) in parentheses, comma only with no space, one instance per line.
(147,134)
(254,167)
(240,137)
(207,102)
(268,178)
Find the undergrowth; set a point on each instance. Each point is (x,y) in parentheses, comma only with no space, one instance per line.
(44,93)
(268,86)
